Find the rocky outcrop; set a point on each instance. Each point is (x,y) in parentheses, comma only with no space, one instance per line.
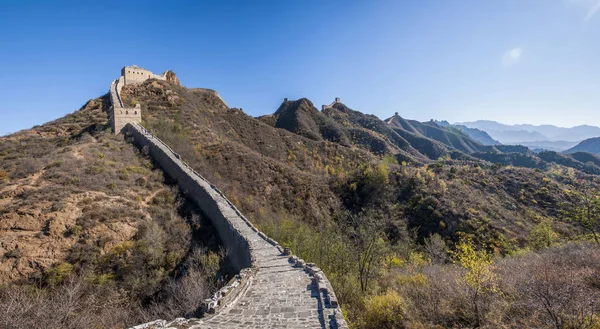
(172,78)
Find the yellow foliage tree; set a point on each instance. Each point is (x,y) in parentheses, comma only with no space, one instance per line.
(478,276)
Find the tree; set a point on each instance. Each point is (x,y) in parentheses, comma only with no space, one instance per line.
(370,259)
(370,247)
(586,211)
(478,276)
(436,249)
(542,235)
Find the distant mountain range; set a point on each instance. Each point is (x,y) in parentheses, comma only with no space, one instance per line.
(477,134)
(531,133)
(543,137)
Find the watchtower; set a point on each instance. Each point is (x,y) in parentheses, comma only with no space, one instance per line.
(337,100)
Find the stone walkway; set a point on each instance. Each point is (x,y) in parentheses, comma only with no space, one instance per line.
(280,296)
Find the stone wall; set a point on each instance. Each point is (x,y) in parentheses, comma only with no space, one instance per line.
(115,98)
(120,115)
(273,289)
(224,217)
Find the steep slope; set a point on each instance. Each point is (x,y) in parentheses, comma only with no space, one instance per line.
(266,171)
(451,137)
(368,130)
(591,145)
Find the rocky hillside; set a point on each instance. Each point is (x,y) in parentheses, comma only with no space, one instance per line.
(298,163)
(81,207)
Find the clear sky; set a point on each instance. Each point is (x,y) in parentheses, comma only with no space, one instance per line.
(514,61)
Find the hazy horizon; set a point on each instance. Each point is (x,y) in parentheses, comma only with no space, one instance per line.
(508,61)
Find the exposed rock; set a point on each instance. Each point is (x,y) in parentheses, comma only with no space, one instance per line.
(172,78)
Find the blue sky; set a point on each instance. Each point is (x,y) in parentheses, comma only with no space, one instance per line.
(514,61)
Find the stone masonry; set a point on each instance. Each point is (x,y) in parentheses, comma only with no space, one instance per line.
(136,74)
(273,289)
(119,114)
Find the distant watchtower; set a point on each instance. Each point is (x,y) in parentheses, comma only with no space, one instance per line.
(337,100)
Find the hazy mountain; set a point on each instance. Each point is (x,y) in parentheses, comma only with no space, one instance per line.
(476,134)
(591,145)
(557,146)
(509,134)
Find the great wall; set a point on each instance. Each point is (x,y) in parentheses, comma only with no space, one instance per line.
(272,289)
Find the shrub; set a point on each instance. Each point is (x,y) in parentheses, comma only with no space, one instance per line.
(58,273)
(478,276)
(26,167)
(14,253)
(73,230)
(542,235)
(210,264)
(384,312)
(94,170)
(163,198)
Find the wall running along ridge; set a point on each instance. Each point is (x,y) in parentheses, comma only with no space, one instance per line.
(273,289)
(120,115)
(324,107)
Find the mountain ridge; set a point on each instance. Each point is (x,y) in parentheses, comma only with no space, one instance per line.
(590,145)
(506,133)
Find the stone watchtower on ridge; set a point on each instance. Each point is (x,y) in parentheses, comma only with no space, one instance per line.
(120,115)
(337,100)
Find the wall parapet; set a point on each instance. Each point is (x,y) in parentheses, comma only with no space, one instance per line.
(115,98)
(251,253)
